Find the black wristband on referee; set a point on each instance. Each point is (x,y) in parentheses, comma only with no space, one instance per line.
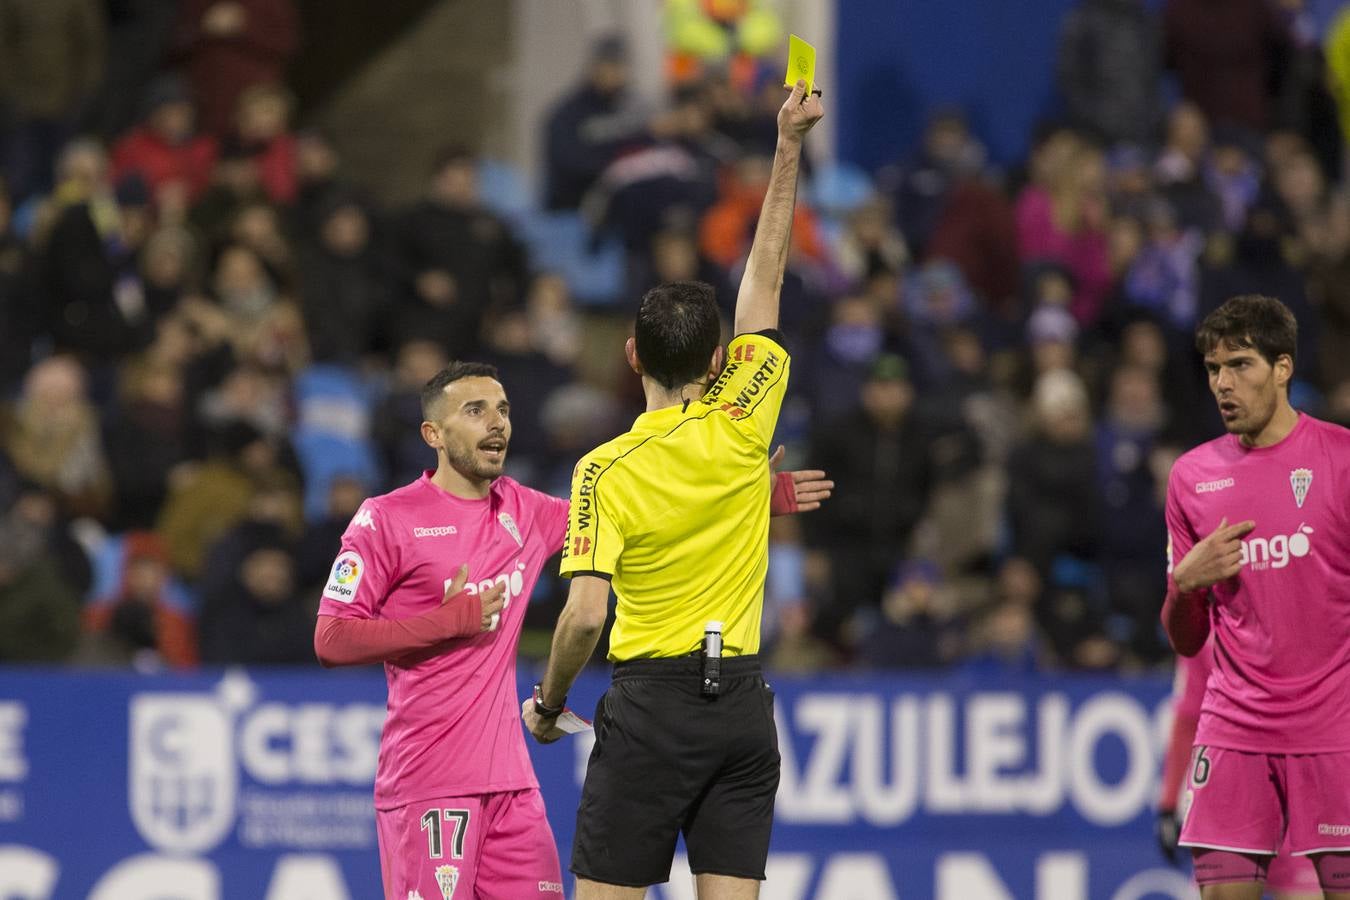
(542,709)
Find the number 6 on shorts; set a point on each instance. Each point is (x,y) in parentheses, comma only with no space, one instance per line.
(431,823)
(1200,767)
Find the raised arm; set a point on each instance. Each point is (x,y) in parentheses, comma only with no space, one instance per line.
(757,300)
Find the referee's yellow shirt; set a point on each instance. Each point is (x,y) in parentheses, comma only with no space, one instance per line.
(676,511)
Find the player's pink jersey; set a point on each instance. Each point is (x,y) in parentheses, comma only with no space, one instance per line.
(453,726)
(1281,627)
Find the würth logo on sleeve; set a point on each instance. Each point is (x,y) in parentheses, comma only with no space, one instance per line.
(364,519)
(1300,480)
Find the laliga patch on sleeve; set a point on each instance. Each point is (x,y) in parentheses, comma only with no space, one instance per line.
(345,577)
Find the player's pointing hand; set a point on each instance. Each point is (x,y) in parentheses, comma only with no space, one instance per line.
(1215,558)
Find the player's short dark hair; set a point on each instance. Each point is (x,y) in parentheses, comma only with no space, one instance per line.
(434,389)
(677,330)
(1250,321)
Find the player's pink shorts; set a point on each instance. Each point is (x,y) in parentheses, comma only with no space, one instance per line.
(1266,802)
(489,846)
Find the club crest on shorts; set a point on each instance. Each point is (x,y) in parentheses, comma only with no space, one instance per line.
(1300,480)
(447,877)
(510,525)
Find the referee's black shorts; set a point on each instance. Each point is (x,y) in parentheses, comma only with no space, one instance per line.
(668,760)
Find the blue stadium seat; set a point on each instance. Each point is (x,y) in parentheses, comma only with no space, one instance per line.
(561,242)
(838,188)
(332,433)
(505,190)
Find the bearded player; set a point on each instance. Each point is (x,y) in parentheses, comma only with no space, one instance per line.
(1257,521)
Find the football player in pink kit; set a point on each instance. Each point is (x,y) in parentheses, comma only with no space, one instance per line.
(458,807)
(1288,877)
(1258,532)
(457,804)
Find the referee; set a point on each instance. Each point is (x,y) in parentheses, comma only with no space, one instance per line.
(675,514)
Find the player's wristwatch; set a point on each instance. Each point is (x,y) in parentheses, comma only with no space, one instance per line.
(542,709)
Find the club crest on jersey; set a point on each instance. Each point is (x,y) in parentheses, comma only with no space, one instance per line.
(447,877)
(1300,480)
(510,525)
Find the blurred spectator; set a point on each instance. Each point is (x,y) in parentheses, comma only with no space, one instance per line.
(1329,289)
(167,266)
(1262,263)
(51,59)
(839,362)
(164,148)
(914,629)
(530,376)
(236,182)
(39,509)
(1132,518)
(95,302)
(398,418)
(1005,643)
(1053,505)
(259,616)
(141,623)
(53,437)
(667,179)
(1065,223)
(344,283)
(146,440)
(1110,58)
(728,227)
(920,188)
(228,46)
(316,179)
(455,258)
(588,126)
(977,231)
(137,37)
(1224,55)
(1165,276)
(878,454)
(1052,335)
(870,242)
(322,537)
(263,128)
(1233,176)
(675,256)
(210,498)
(258,226)
(795,649)
(710,36)
(1179,170)
(39,609)
(18,313)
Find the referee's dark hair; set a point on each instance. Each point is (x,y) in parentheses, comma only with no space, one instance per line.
(434,390)
(677,330)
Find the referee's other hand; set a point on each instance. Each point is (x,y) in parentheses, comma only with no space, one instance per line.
(545,731)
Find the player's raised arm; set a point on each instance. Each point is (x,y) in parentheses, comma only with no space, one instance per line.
(757,301)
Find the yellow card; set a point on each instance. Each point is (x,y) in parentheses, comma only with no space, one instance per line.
(801,63)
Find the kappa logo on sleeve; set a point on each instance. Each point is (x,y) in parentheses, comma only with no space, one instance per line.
(364,519)
(345,577)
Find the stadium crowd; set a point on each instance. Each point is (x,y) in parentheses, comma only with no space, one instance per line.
(212,343)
